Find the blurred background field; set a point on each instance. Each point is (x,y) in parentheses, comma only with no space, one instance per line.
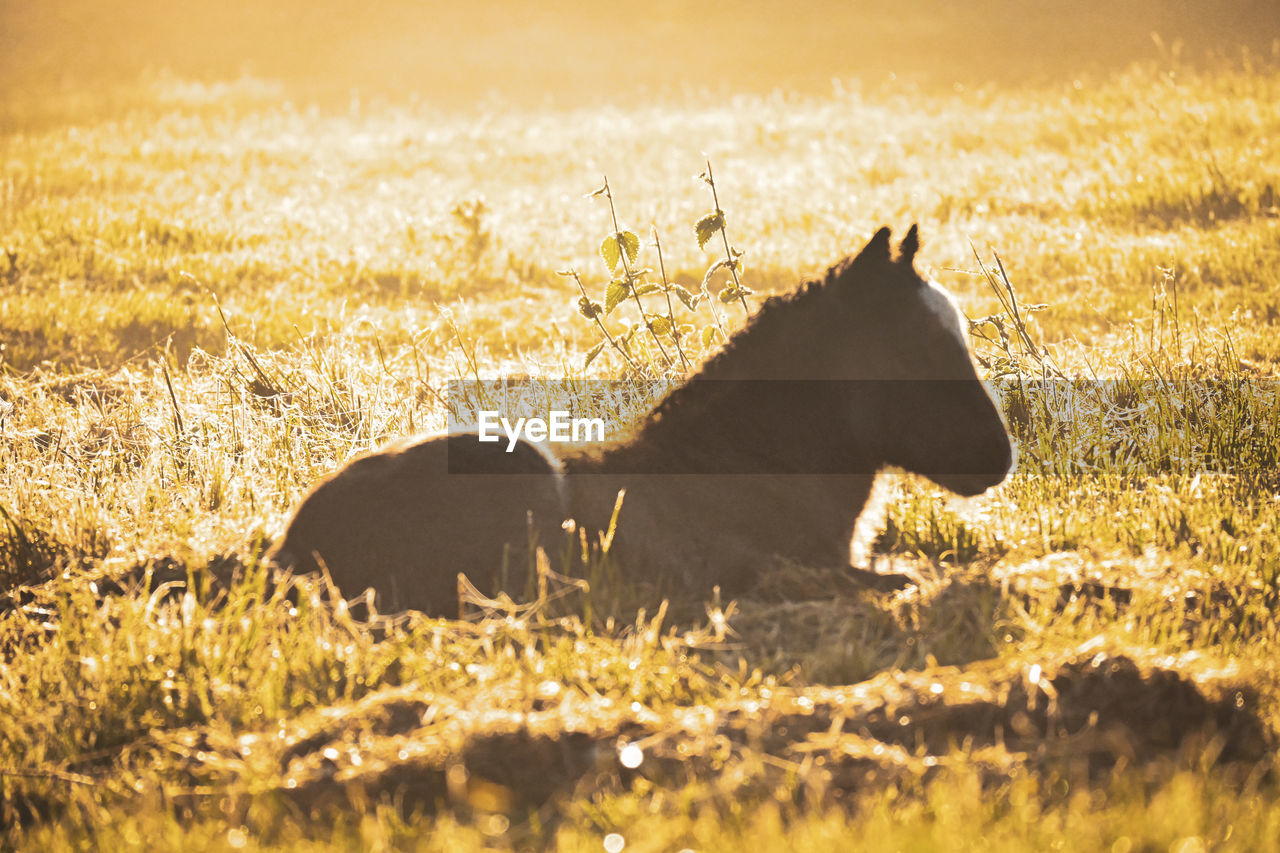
(244,242)
(570,52)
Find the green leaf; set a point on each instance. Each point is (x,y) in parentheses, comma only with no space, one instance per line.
(592,353)
(690,300)
(611,252)
(707,227)
(659,324)
(613,247)
(617,292)
(729,294)
(630,244)
(589,309)
(709,335)
(646,289)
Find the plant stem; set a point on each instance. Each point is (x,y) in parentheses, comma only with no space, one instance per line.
(631,279)
(671,311)
(728,253)
(603,329)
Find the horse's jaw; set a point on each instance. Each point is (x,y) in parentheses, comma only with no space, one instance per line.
(982,476)
(969,485)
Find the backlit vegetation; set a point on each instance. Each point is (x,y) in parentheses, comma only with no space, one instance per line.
(211,296)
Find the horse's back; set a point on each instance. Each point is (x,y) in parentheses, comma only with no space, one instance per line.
(407,519)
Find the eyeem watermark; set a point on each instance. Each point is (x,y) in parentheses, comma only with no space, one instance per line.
(557,428)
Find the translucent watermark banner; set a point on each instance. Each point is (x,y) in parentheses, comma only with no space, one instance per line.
(935,427)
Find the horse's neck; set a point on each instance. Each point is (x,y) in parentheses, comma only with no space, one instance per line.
(761,401)
(745,458)
(764,433)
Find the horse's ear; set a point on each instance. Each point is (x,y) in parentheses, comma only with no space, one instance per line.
(878,248)
(910,245)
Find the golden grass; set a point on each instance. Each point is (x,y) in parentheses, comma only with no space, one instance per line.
(160,689)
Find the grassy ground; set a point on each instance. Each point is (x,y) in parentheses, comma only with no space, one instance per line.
(212,296)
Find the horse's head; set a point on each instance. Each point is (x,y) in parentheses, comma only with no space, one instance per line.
(919,403)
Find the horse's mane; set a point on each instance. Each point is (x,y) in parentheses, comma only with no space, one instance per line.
(777,318)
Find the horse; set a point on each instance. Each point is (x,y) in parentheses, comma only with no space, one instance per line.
(767,453)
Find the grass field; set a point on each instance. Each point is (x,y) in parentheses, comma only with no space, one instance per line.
(213,293)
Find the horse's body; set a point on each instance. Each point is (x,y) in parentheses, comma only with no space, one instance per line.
(769,452)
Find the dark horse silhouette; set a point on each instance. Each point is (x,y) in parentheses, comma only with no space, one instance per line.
(769,452)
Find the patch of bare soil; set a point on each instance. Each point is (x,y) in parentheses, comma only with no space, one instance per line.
(1084,713)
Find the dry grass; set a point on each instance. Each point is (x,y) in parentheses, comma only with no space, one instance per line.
(1088,659)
